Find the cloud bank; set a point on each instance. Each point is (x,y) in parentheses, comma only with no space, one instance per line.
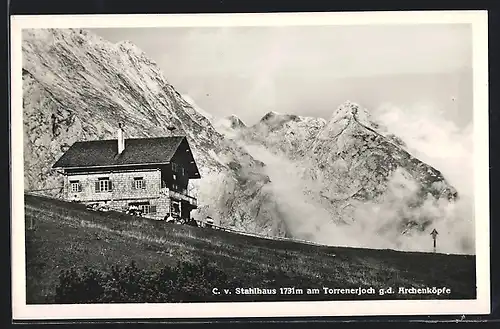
(381,224)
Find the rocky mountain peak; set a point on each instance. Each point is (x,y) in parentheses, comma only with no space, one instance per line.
(230,126)
(235,122)
(352,160)
(269,116)
(353,138)
(274,120)
(348,106)
(350,110)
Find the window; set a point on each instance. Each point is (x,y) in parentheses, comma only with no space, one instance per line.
(139,183)
(103,185)
(75,186)
(176,168)
(143,207)
(147,209)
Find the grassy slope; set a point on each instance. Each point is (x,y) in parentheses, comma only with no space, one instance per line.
(67,235)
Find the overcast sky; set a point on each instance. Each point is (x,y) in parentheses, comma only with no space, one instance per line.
(310,70)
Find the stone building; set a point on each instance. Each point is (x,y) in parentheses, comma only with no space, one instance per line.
(151,174)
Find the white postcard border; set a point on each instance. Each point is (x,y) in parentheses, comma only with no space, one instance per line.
(481,305)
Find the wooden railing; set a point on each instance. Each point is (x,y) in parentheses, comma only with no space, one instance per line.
(177,195)
(261,236)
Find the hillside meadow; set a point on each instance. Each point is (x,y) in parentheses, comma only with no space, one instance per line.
(65,243)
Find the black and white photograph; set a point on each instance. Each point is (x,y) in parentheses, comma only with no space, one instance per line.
(250,165)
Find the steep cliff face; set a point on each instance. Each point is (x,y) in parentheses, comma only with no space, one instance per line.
(351,170)
(77,86)
(235,122)
(368,164)
(231,126)
(288,134)
(353,145)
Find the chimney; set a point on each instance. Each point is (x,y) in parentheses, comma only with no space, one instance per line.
(171,130)
(121,139)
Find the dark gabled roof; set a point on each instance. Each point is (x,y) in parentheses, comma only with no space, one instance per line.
(104,153)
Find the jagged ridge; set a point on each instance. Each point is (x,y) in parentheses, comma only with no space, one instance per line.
(352,160)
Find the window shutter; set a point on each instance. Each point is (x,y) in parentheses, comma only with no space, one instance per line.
(79,187)
(97,186)
(153,209)
(110,186)
(143,184)
(133,185)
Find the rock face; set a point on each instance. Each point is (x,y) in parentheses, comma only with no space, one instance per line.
(354,170)
(352,144)
(367,163)
(287,134)
(77,86)
(230,127)
(235,122)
